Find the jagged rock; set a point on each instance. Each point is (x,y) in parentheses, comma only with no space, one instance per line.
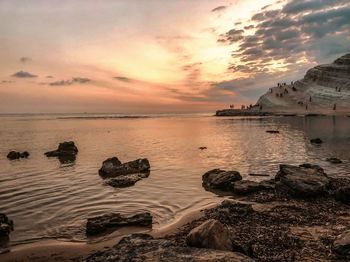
(301,181)
(6,226)
(220,179)
(343,194)
(101,224)
(316,141)
(12,155)
(112,167)
(334,160)
(245,187)
(65,151)
(341,244)
(211,234)
(144,248)
(126,180)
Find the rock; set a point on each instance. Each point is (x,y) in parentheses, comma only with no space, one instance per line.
(245,187)
(126,180)
(314,167)
(144,248)
(112,167)
(272,131)
(334,160)
(316,141)
(343,195)
(299,181)
(66,150)
(12,155)
(220,179)
(258,175)
(236,207)
(101,224)
(341,244)
(202,148)
(211,234)
(6,225)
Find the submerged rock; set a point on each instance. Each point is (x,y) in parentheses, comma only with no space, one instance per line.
(6,226)
(316,141)
(143,247)
(65,151)
(341,244)
(12,155)
(112,167)
(220,179)
(211,234)
(126,180)
(272,131)
(101,224)
(334,160)
(245,187)
(302,181)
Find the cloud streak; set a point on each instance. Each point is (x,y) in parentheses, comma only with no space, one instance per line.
(23,74)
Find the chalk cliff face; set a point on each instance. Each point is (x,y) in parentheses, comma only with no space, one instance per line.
(323,89)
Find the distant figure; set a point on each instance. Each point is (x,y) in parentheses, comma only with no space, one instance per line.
(310,99)
(294,89)
(291,83)
(232,106)
(339,89)
(281,95)
(335,107)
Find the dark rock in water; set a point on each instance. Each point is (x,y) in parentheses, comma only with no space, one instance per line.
(272,131)
(342,194)
(341,244)
(66,150)
(202,148)
(112,167)
(143,247)
(66,159)
(12,155)
(220,179)
(334,160)
(126,180)
(211,234)
(258,175)
(316,141)
(101,224)
(6,226)
(301,181)
(245,187)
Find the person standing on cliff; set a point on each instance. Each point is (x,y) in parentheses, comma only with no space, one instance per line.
(310,99)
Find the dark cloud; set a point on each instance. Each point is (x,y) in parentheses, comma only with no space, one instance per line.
(219,8)
(122,78)
(80,80)
(23,74)
(25,59)
(298,29)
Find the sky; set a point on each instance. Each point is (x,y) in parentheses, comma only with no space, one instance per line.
(160,56)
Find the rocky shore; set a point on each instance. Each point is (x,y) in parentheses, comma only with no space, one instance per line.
(300,215)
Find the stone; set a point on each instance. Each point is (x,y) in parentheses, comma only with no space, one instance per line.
(272,131)
(342,194)
(101,224)
(145,248)
(316,141)
(112,167)
(211,234)
(334,160)
(245,187)
(65,150)
(299,181)
(125,180)
(341,245)
(6,225)
(202,147)
(12,155)
(220,179)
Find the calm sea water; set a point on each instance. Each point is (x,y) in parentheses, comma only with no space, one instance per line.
(47,199)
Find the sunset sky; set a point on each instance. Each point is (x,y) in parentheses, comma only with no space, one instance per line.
(152,56)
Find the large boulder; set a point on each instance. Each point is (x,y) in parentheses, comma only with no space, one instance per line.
(12,155)
(220,179)
(112,167)
(66,152)
(104,223)
(302,181)
(145,248)
(211,234)
(6,226)
(341,245)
